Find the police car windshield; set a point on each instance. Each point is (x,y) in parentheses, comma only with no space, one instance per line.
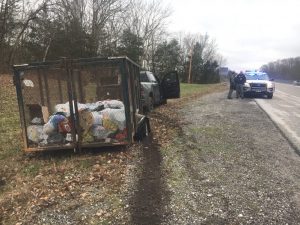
(257,76)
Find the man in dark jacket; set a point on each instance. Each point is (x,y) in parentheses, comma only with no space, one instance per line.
(240,80)
(232,84)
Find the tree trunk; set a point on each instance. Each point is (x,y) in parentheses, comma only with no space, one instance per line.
(190,69)
(46,50)
(31,17)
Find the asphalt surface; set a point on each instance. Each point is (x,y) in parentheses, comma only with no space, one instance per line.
(284,110)
(289,89)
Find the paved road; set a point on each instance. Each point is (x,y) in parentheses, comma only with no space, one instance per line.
(284,110)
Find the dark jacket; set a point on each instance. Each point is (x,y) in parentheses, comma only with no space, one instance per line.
(240,78)
(231,80)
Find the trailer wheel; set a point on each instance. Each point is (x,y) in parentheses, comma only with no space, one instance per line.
(143,130)
(146,128)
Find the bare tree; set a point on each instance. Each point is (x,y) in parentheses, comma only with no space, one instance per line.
(29,16)
(201,52)
(209,48)
(105,20)
(221,60)
(47,29)
(148,21)
(284,68)
(9,9)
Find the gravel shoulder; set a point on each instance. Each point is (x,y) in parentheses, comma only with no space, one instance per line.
(229,164)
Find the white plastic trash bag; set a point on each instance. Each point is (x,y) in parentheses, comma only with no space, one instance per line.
(35,133)
(97,118)
(99,132)
(36,120)
(65,108)
(113,104)
(115,116)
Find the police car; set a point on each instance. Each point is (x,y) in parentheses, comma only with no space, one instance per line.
(258,83)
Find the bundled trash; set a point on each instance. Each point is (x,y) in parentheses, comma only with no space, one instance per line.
(101,121)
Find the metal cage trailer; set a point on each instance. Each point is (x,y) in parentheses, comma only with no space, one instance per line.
(82,103)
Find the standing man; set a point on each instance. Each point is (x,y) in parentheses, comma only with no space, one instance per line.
(232,84)
(240,80)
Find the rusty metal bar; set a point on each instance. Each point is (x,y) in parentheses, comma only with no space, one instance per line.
(132,90)
(17,82)
(74,96)
(66,69)
(41,87)
(124,82)
(98,84)
(47,90)
(60,89)
(48,148)
(79,86)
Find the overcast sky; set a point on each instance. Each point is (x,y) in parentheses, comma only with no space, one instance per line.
(249,33)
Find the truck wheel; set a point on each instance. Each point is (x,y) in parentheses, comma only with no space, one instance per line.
(164,101)
(270,95)
(146,128)
(143,130)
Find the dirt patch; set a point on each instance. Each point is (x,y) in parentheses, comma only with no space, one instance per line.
(148,202)
(149,194)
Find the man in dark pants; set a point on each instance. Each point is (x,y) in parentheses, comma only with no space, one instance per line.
(240,80)
(232,84)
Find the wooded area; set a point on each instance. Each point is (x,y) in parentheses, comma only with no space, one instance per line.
(288,69)
(50,29)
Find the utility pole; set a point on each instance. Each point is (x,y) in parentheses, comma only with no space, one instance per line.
(190,68)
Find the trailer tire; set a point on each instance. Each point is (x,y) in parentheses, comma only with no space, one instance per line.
(143,130)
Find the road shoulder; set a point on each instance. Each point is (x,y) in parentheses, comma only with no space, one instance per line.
(229,164)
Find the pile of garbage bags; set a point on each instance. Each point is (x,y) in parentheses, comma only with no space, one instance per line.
(102,121)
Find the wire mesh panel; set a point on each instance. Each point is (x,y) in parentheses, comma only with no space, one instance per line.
(101,108)
(44,92)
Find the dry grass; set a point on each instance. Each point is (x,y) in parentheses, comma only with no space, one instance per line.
(9,119)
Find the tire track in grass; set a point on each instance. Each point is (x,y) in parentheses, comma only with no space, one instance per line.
(147,204)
